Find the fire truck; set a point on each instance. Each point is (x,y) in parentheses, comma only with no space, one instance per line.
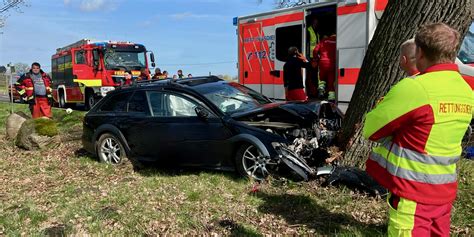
(264,39)
(83,72)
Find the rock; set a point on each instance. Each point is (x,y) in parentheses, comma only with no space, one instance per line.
(14,122)
(29,139)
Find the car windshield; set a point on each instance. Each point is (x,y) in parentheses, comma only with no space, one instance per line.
(466,54)
(232,97)
(118,59)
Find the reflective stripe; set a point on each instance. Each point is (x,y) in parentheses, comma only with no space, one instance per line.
(412,175)
(30,98)
(21,92)
(29,88)
(414,165)
(419,157)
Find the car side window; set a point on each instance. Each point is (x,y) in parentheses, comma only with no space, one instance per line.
(117,103)
(138,103)
(171,105)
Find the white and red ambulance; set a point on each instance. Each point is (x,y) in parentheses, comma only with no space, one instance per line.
(264,39)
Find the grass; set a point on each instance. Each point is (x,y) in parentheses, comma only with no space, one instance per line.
(64,191)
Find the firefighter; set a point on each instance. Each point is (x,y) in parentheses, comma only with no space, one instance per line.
(128,76)
(420,124)
(292,75)
(180,74)
(35,88)
(325,56)
(407,58)
(157,74)
(144,74)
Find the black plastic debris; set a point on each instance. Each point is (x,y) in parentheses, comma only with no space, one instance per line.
(356,179)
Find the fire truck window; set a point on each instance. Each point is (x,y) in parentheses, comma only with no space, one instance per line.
(68,76)
(60,73)
(117,103)
(138,103)
(54,69)
(80,57)
(287,37)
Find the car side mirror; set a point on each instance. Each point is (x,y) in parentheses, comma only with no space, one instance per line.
(96,59)
(202,112)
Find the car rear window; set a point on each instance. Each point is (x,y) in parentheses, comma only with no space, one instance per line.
(138,103)
(117,103)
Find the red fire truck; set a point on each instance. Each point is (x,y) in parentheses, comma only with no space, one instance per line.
(264,39)
(85,71)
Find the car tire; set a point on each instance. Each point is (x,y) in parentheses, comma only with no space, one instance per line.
(110,149)
(251,163)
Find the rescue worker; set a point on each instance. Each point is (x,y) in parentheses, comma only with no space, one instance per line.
(190,75)
(164,75)
(128,76)
(325,56)
(292,75)
(312,72)
(35,88)
(407,58)
(144,74)
(420,124)
(180,74)
(157,74)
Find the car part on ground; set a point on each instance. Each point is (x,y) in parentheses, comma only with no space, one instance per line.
(357,179)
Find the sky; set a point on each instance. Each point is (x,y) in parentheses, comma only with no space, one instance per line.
(194,35)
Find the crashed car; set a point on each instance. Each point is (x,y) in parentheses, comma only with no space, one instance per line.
(211,123)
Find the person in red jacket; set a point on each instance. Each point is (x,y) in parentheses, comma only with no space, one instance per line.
(35,88)
(325,56)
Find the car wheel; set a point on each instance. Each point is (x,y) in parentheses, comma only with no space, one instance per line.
(110,150)
(251,162)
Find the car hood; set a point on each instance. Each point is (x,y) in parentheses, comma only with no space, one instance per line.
(286,112)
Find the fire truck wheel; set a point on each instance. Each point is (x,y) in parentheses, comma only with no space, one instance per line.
(91,99)
(61,100)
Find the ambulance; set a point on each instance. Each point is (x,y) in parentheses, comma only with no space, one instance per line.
(264,39)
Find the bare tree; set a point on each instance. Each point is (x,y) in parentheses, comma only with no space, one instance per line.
(380,68)
(8,5)
(289,3)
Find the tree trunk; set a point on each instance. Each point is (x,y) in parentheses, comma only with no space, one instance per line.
(380,68)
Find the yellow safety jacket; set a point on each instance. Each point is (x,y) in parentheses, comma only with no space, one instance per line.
(313,40)
(420,124)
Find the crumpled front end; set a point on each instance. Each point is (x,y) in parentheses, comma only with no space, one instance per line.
(308,135)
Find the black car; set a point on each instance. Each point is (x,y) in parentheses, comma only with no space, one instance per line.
(208,122)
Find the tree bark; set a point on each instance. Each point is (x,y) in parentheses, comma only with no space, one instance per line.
(380,68)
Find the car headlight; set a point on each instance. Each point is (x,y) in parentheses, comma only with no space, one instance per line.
(105,90)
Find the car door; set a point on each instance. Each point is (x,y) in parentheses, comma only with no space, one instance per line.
(189,139)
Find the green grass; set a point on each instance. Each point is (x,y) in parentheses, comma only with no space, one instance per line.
(63,191)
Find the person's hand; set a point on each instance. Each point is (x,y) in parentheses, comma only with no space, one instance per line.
(302,57)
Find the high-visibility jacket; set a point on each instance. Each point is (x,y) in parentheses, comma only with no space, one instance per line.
(313,40)
(420,124)
(26,89)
